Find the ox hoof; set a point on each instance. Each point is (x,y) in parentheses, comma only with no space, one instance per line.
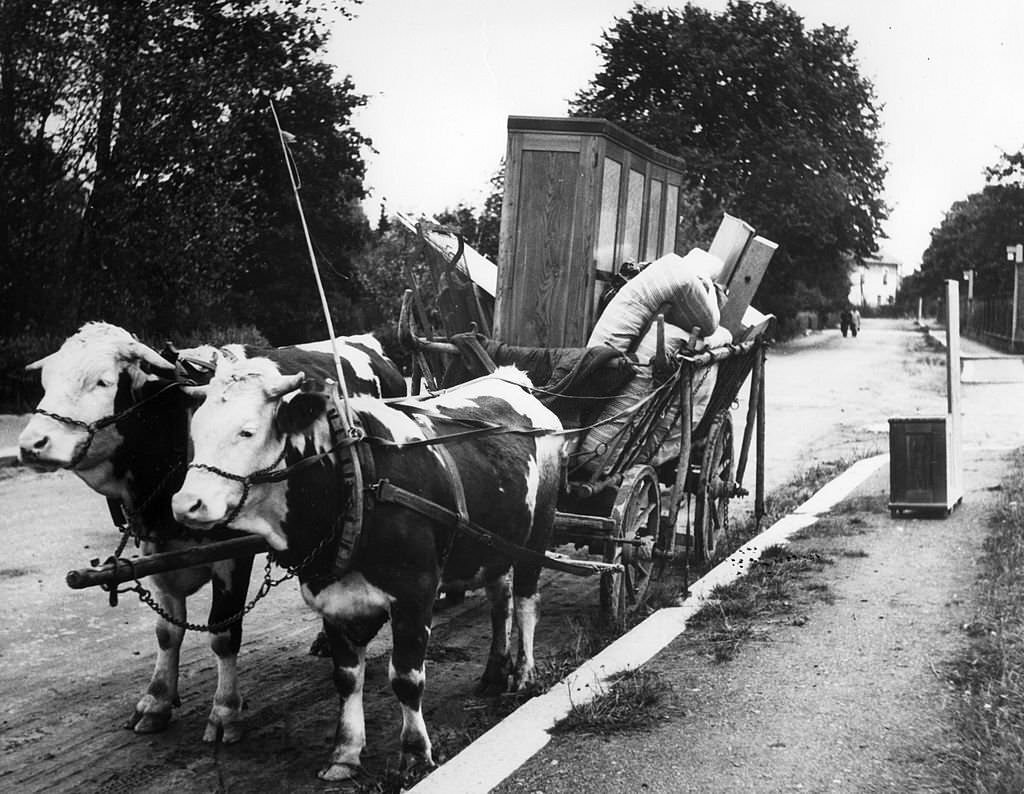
(321,646)
(488,688)
(149,722)
(496,675)
(218,732)
(416,765)
(338,772)
(525,680)
(224,723)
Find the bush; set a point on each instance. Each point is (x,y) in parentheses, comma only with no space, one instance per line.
(20,391)
(218,336)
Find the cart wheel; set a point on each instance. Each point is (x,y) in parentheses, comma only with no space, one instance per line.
(636,512)
(714,489)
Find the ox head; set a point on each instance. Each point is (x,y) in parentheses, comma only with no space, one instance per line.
(81,383)
(242,428)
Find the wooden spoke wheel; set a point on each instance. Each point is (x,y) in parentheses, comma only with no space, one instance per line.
(637,514)
(715,486)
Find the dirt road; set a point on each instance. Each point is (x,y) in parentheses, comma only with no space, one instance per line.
(72,667)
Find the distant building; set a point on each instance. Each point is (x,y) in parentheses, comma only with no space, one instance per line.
(874,281)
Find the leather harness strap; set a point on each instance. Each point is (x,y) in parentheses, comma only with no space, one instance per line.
(386,491)
(357,466)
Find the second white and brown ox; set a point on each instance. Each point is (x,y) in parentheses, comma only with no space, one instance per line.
(256,420)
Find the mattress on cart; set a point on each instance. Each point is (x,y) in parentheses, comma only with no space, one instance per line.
(680,286)
(663,440)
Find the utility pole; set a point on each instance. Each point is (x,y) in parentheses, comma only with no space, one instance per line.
(1015,254)
(969,276)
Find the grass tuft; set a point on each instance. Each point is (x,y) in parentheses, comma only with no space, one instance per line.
(633,702)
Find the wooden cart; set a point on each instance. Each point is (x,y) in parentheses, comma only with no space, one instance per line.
(635,515)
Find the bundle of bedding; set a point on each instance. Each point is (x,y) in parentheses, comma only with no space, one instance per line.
(680,288)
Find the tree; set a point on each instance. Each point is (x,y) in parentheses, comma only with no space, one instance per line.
(774,121)
(154,153)
(974,234)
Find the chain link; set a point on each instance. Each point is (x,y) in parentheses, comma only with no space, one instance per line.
(268,584)
(146,597)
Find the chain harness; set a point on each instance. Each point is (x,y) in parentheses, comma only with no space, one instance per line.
(92,428)
(130,527)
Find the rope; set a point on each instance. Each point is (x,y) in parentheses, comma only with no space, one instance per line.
(293,177)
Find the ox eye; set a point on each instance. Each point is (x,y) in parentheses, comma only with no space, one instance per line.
(245,433)
(103,383)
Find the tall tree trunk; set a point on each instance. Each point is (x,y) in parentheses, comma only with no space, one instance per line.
(93,258)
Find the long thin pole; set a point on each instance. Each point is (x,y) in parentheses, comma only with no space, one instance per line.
(346,417)
(1016,297)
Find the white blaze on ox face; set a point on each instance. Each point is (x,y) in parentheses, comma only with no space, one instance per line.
(233,431)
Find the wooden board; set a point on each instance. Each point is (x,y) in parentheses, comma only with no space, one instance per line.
(730,241)
(746,279)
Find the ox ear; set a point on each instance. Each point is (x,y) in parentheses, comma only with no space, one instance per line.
(149,355)
(298,413)
(38,364)
(283,384)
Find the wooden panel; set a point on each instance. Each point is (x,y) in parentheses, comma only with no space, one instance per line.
(584,286)
(532,311)
(632,216)
(608,220)
(746,279)
(539,142)
(730,240)
(504,321)
(668,242)
(652,246)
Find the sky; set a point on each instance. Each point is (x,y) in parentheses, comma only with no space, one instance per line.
(443,76)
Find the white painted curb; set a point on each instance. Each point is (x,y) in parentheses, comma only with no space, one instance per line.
(508,745)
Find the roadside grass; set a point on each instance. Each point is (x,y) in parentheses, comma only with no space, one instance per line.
(987,677)
(671,588)
(779,587)
(630,703)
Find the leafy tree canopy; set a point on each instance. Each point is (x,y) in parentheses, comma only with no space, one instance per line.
(774,121)
(974,234)
(141,177)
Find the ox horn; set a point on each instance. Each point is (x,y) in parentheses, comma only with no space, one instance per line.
(197,392)
(149,355)
(38,364)
(283,385)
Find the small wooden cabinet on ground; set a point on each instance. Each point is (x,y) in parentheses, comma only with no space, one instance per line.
(919,467)
(582,196)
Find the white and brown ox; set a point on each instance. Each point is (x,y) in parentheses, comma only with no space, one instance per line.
(113,413)
(254,419)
